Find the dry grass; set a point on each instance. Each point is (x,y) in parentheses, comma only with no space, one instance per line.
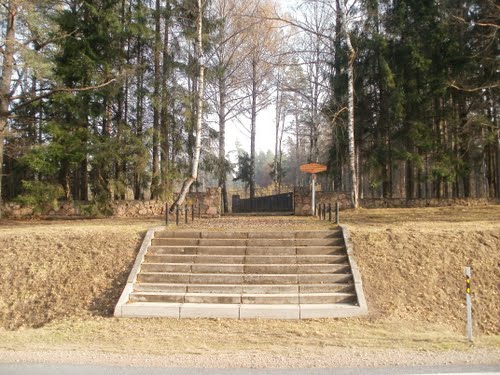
(63,269)
(199,336)
(412,263)
(64,277)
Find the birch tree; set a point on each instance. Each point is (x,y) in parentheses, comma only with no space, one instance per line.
(200,60)
(341,10)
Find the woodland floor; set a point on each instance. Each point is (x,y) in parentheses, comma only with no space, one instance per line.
(60,280)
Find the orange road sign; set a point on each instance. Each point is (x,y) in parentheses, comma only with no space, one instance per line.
(313,168)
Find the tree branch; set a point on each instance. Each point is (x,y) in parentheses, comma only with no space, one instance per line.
(474,89)
(57,90)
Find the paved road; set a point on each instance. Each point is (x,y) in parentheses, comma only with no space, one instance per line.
(43,369)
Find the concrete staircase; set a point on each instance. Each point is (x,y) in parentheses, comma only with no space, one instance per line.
(283,275)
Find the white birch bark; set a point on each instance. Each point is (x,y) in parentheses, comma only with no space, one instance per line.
(199,109)
(350,108)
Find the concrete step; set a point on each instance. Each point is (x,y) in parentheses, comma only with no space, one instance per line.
(244,289)
(242,259)
(243,274)
(254,242)
(276,250)
(200,268)
(296,268)
(320,250)
(243,250)
(283,298)
(335,233)
(231,279)
(239,311)
(295,259)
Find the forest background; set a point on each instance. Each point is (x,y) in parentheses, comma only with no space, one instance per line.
(106,100)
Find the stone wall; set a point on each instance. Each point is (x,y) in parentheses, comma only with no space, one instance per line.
(302,201)
(16,211)
(210,204)
(433,202)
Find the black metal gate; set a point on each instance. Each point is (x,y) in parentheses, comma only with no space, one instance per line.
(271,203)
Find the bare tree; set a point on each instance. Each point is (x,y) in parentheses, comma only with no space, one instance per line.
(323,35)
(264,43)
(230,77)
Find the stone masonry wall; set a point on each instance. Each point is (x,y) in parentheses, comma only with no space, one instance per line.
(210,203)
(302,202)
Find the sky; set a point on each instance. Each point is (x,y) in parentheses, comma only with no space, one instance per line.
(238,132)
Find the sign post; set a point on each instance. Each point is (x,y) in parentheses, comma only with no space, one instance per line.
(313,168)
(469,303)
(313,194)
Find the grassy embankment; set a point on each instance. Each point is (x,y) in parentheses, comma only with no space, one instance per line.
(59,282)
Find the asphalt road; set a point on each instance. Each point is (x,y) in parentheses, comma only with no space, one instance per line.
(45,369)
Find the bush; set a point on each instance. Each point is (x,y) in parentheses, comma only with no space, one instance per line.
(41,196)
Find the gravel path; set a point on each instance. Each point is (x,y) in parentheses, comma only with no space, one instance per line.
(324,358)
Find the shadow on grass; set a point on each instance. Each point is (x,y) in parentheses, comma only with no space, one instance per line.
(104,304)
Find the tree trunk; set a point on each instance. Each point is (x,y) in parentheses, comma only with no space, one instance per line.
(165,104)
(138,188)
(155,182)
(7,68)
(297,157)
(84,181)
(350,107)
(252,128)
(280,154)
(222,143)
(278,121)
(199,109)
(496,152)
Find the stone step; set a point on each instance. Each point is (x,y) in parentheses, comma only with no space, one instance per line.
(255,242)
(243,250)
(243,274)
(235,298)
(244,289)
(299,259)
(246,259)
(218,278)
(239,311)
(245,235)
(245,268)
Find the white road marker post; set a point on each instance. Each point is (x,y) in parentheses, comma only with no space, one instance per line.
(469,303)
